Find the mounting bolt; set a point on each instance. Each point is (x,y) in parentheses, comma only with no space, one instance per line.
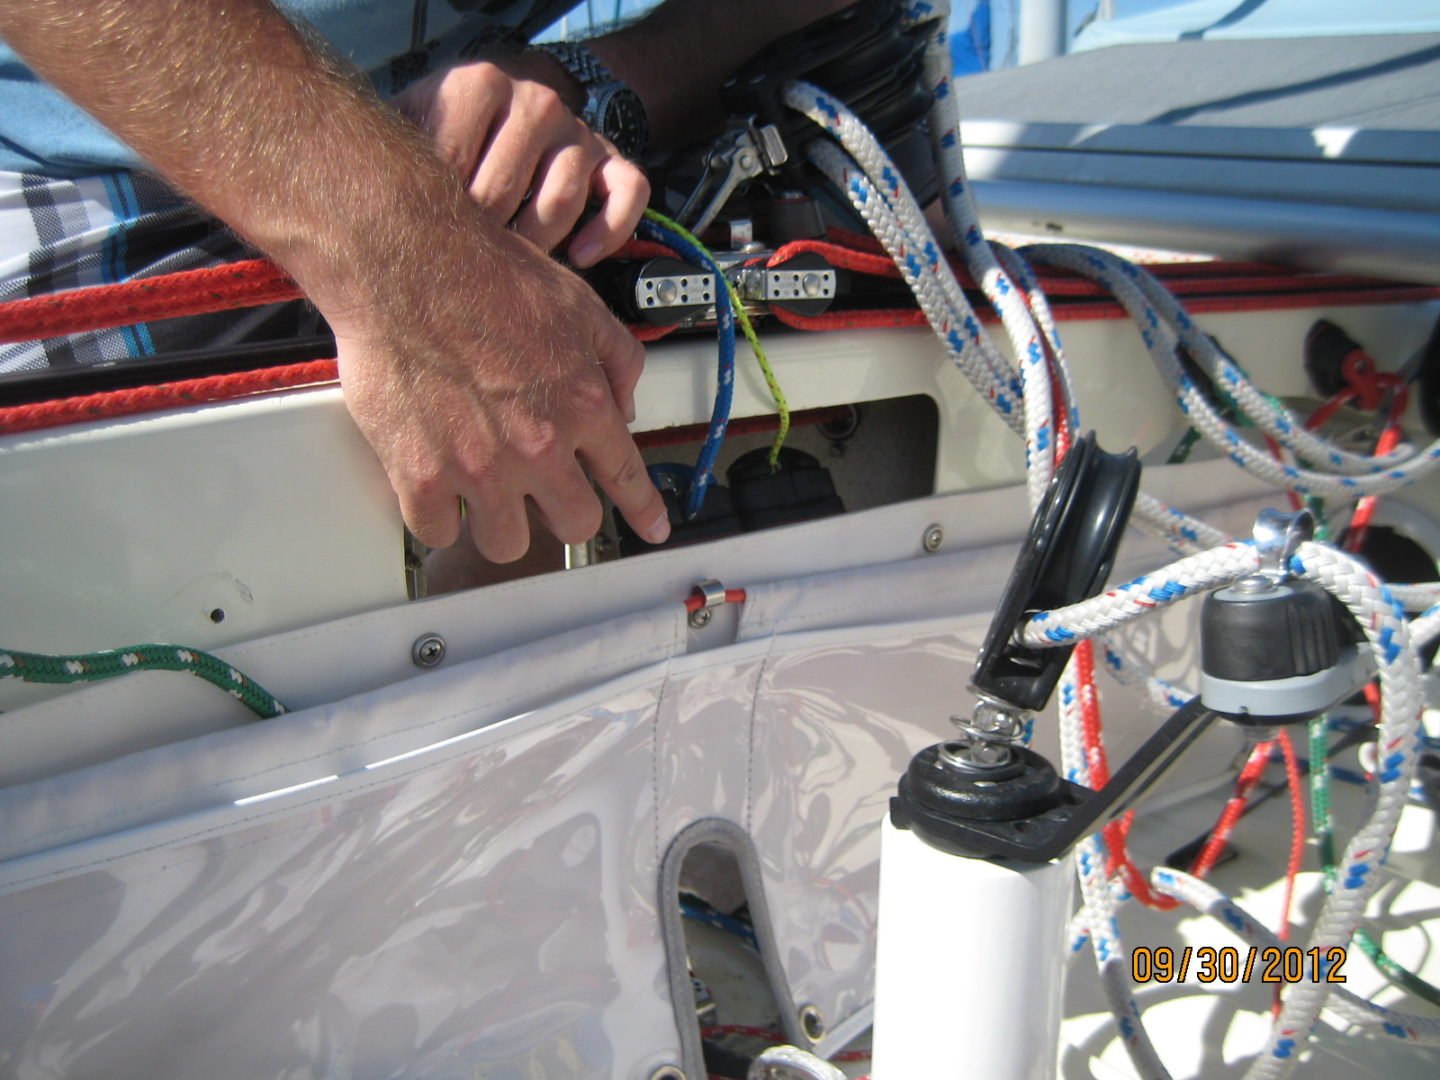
(701,617)
(668,1072)
(812,1022)
(428,650)
(934,537)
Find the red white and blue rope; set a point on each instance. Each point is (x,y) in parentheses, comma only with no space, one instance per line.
(873,185)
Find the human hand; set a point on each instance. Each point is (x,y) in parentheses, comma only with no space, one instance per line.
(491,374)
(506,129)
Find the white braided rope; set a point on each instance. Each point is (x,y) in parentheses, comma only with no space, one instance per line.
(1271,417)
(1209,900)
(1113,959)
(1417,597)
(917,250)
(1039,305)
(997,285)
(1398,664)
(962,348)
(1166,697)
(1189,576)
(1160,341)
(1274,419)
(1189,535)
(1425,628)
(1221,566)
(921,253)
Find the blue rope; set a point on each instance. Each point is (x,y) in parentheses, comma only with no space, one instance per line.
(725,377)
(708,915)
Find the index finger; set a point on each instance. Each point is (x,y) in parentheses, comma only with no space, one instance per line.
(615,463)
(623,192)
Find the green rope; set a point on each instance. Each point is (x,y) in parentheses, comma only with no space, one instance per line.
(1320,813)
(1320,797)
(1187,442)
(96,666)
(1316,505)
(782,406)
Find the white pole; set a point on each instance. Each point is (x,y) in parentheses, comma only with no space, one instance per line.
(1044,28)
(970,964)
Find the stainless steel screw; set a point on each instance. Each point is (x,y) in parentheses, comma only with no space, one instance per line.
(428,650)
(701,617)
(934,537)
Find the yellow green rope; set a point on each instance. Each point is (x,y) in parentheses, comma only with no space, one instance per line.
(781,405)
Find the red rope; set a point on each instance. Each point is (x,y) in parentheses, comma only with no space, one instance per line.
(845,258)
(646,332)
(1297,829)
(850,320)
(1365,508)
(255,282)
(696,601)
(174,395)
(636,248)
(1244,784)
(190,292)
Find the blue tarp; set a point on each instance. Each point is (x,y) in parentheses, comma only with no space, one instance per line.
(970,47)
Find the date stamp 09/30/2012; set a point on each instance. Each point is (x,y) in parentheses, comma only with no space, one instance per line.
(1271,964)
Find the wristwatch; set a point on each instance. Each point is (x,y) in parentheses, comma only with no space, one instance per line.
(612,109)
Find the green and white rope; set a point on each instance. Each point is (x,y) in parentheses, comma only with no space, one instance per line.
(112,663)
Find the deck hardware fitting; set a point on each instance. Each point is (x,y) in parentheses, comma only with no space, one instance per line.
(714,594)
(428,650)
(933,538)
(812,1022)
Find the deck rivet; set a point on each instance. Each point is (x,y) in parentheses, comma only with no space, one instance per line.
(934,537)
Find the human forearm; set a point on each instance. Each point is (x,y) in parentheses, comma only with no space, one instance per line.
(234,107)
(482,373)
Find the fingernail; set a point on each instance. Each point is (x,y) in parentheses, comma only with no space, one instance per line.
(585,253)
(629,411)
(659,530)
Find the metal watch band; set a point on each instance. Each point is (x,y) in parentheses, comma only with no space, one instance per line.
(624,126)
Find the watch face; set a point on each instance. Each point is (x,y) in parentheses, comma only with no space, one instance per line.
(620,117)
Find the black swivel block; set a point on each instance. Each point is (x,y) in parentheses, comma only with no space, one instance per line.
(1067,557)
